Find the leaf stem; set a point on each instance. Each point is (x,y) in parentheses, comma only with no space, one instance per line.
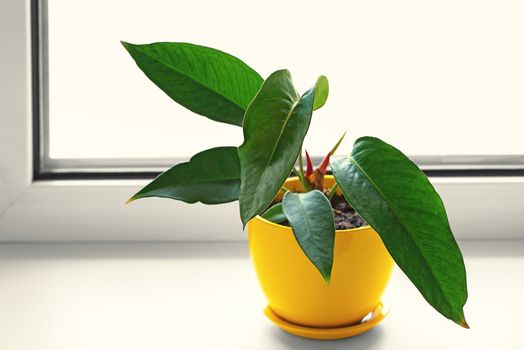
(300,173)
(332,191)
(301,165)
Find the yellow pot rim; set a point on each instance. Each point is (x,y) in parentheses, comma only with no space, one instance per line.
(288,228)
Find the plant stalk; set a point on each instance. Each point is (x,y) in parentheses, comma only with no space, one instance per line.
(300,173)
(300,165)
(332,191)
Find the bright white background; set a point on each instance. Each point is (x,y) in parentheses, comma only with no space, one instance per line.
(431,77)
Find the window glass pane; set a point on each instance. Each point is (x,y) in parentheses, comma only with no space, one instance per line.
(432,78)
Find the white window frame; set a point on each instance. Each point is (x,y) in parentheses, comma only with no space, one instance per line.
(479,207)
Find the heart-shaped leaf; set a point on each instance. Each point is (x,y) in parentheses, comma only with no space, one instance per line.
(311,218)
(210,177)
(321,92)
(275,125)
(395,197)
(208,82)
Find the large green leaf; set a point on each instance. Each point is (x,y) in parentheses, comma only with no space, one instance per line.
(311,218)
(210,177)
(275,125)
(206,81)
(395,197)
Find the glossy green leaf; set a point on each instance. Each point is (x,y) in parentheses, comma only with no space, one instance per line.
(321,92)
(275,125)
(395,197)
(208,82)
(210,177)
(275,214)
(311,218)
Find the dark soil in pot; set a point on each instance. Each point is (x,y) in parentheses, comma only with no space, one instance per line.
(345,216)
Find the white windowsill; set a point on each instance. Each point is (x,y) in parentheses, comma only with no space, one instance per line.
(478,208)
(205,296)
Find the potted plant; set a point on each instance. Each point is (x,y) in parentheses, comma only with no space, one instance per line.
(322,245)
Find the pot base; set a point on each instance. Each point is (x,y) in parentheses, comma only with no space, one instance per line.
(368,322)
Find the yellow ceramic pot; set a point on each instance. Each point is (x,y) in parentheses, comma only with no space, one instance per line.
(295,289)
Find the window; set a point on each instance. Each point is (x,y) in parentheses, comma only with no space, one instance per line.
(444,86)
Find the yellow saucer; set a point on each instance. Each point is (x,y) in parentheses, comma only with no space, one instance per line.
(368,322)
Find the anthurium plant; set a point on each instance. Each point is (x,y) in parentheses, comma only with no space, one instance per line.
(384,186)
